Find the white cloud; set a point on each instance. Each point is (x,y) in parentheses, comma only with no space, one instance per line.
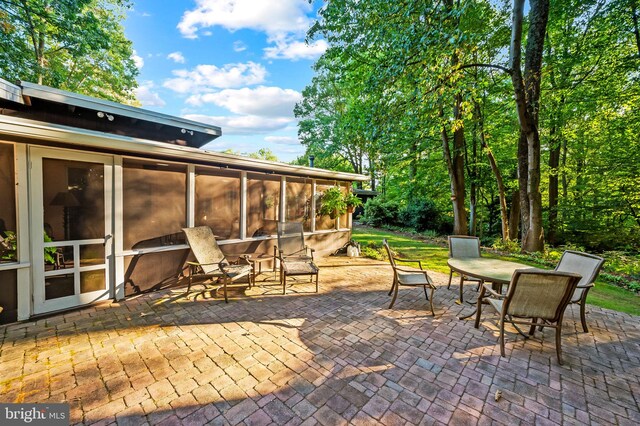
(147,96)
(209,77)
(282,140)
(295,49)
(243,124)
(176,57)
(239,46)
(137,60)
(262,100)
(270,16)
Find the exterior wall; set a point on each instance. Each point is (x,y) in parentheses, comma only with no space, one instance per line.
(156,214)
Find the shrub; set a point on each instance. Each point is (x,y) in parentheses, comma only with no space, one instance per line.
(373,250)
(421,215)
(378,212)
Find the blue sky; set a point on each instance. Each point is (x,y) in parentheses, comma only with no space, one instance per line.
(237,64)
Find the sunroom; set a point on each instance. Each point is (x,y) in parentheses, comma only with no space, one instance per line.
(95,194)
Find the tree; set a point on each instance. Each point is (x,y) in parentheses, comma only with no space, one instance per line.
(527,94)
(75,45)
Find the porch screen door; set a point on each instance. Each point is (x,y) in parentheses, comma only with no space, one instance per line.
(71,228)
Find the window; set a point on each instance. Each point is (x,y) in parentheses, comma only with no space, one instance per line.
(298,202)
(8,241)
(154,204)
(263,204)
(344,219)
(218,201)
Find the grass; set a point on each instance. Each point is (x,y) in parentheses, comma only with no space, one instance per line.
(434,255)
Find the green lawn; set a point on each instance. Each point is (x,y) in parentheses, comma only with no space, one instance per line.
(434,257)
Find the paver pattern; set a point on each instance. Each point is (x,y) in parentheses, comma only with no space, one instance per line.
(337,357)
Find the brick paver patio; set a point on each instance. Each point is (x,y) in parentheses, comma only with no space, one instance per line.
(336,357)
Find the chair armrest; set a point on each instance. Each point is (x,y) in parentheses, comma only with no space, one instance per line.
(493,293)
(410,269)
(586,285)
(419,262)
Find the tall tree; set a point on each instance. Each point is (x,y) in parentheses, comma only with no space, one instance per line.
(527,94)
(76,45)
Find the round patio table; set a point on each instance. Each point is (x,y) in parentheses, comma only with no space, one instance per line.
(496,271)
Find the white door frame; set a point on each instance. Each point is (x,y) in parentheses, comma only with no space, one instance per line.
(40,304)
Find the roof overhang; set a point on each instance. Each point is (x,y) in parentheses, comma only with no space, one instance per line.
(37,132)
(43,103)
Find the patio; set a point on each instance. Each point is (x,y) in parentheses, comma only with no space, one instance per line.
(335,357)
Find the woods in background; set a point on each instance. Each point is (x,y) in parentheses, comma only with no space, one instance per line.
(517,120)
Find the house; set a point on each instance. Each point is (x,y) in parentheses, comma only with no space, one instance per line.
(95,194)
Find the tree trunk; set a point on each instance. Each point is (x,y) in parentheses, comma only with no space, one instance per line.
(514,213)
(636,31)
(523,183)
(527,95)
(455,166)
(496,172)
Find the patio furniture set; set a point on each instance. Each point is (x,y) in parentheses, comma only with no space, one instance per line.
(533,297)
(293,255)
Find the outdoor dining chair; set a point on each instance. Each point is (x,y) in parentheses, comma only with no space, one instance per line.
(295,257)
(462,246)
(588,266)
(535,297)
(211,263)
(408,276)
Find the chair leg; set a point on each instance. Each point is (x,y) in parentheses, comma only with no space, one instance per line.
(393,284)
(395,295)
(479,307)
(502,336)
(424,287)
(284,283)
(224,288)
(558,339)
(450,276)
(461,285)
(317,282)
(532,329)
(433,313)
(583,317)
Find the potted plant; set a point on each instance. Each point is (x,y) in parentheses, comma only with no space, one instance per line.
(332,203)
(352,202)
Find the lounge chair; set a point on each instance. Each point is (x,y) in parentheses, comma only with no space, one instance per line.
(211,262)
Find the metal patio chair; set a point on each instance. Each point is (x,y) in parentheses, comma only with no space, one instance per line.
(295,257)
(587,265)
(535,297)
(462,246)
(407,276)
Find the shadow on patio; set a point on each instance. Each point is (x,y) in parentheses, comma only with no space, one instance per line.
(333,357)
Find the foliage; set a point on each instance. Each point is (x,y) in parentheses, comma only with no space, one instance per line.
(8,246)
(382,96)
(378,212)
(373,250)
(421,215)
(332,202)
(75,45)
(352,200)
(49,252)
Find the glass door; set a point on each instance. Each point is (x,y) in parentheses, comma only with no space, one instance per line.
(71,228)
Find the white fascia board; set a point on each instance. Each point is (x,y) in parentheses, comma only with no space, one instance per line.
(82,138)
(76,99)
